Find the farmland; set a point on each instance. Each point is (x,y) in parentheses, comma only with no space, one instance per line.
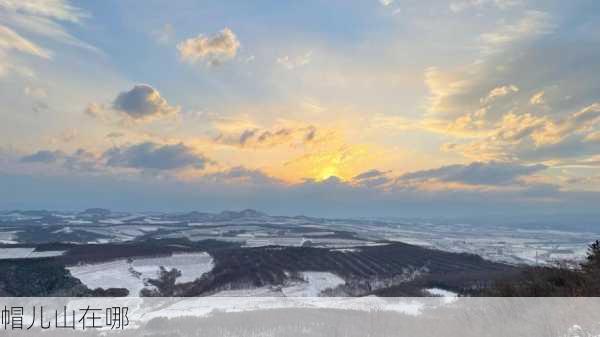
(98,253)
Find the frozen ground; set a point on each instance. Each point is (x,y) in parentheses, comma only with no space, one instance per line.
(131,273)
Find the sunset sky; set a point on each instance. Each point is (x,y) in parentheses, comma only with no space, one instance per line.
(374,108)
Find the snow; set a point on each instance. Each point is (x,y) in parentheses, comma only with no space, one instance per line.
(318,233)
(111,221)
(8,237)
(299,241)
(119,220)
(114,274)
(79,222)
(315,283)
(205,306)
(498,243)
(266,291)
(192,265)
(441,292)
(154,221)
(196,224)
(446,296)
(275,241)
(346,250)
(66,230)
(26,253)
(411,241)
(131,273)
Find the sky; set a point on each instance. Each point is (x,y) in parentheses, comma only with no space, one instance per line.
(362,108)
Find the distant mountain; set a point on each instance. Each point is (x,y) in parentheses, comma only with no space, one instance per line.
(100,212)
(247,213)
(223,216)
(36,213)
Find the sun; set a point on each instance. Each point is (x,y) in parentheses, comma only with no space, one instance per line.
(327,172)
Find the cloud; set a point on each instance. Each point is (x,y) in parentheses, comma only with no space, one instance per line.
(152,156)
(537,98)
(369,175)
(584,182)
(241,175)
(115,134)
(529,137)
(43,156)
(96,110)
(328,198)
(593,137)
(453,93)
(141,102)
(44,18)
(143,156)
(53,9)
(531,25)
(9,39)
(393,5)
(290,62)
(213,49)
(498,92)
(524,102)
(477,173)
(581,121)
(67,136)
(80,160)
(165,34)
(513,193)
(264,138)
(372,178)
(459,6)
(35,92)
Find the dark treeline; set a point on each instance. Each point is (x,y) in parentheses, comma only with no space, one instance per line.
(553,281)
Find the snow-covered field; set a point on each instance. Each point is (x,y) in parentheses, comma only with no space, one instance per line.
(261,242)
(437,292)
(8,237)
(192,265)
(132,273)
(26,253)
(145,309)
(206,306)
(315,283)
